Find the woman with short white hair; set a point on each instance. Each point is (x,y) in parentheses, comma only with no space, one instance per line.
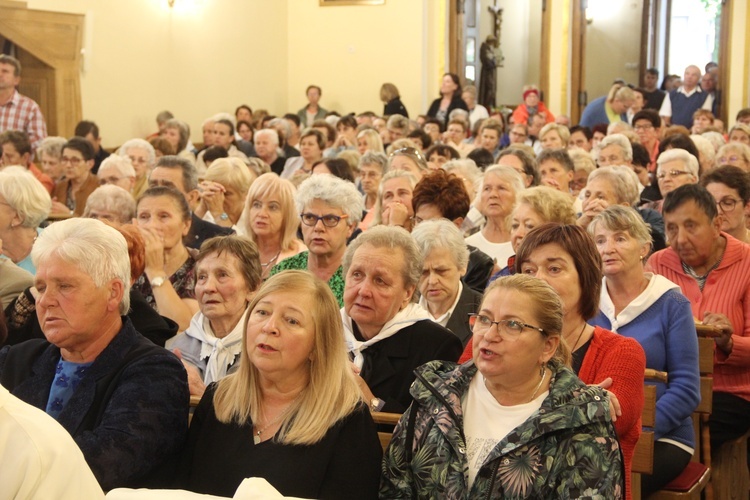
(110,203)
(675,168)
(24,204)
(143,158)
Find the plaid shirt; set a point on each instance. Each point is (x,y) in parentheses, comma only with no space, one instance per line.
(22,113)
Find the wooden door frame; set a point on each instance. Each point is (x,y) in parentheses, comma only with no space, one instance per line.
(578,95)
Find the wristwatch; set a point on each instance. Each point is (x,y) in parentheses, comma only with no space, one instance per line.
(158,281)
(376,404)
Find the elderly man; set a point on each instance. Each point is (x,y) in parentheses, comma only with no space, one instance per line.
(117,170)
(15,149)
(679,105)
(18,112)
(267,149)
(180,174)
(713,271)
(123,399)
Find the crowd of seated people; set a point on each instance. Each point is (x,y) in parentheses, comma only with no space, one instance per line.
(458,268)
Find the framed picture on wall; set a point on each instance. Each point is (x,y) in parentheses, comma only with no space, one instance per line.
(328,3)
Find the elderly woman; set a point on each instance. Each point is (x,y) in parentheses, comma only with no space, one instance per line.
(531,106)
(372,166)
(311,146)
(223,192)
(24,204)
(614,149)
(735,154)
(675,168)
(614,104)
(272,221)
(730,187)
(143,158)
(48,155)
(497,197)
(650,309)
(95,373)
(554,136)
(227,274)
(515,423)
(394,205)
(618,185)
(369,140)
(583,165)
(163,218)
(292,405)
(522,162)
(112,204)
(442,294)
(69,195)
(566,258)
(330,209)
(177,133)
(118,171)
(739,133)
(450,98)
(223,137)
(391,99)
(386,333)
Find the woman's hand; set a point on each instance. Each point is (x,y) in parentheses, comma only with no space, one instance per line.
(195,382)
(724,342)
(154,250)
(212,196)
(592,209)
(342,141)
(367,394)
(395,214)
(59,208)
(614,404)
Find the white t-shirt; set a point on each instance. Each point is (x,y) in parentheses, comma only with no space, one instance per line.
(500,252)
(487,422)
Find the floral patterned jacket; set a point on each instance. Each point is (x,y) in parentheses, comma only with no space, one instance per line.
(567,449)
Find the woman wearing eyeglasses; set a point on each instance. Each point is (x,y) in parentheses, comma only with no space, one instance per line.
(675,168)
(330,209)
(516,422)
(730,187)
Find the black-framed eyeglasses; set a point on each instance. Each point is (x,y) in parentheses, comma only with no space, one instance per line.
(329,220)
(509,329)
(727,204)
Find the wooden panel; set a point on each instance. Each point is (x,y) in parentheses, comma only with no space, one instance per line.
(643,457)
(648,415)
(706,348)
(707,388)
(386,418)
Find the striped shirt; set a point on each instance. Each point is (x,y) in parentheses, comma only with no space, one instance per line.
(22,113)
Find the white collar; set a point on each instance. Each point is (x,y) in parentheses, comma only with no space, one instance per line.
(657,286)
(443,319)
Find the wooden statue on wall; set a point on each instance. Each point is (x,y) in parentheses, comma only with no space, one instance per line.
(488,75)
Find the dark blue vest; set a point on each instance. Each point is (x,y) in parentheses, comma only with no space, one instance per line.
(683,107)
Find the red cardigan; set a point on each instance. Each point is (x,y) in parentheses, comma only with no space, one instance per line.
(623,359)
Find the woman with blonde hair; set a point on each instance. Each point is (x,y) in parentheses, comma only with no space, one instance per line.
(554,136)
(609,108)
(369,140)
(272,220)
(223,192)
(292,405)
(392,100)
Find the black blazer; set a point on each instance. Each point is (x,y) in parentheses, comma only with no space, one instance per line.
(129,413)
(395,107)
(479,269)
(201,230)
(468,303)
(456,103)
(389,364)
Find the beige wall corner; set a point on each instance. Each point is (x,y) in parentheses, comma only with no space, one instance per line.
(736,95)
(558,56)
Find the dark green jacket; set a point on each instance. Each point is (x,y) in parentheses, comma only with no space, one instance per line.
(567,449)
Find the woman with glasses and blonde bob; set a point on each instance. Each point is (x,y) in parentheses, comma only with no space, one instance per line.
(650,309)
(292,412)
(330,210)
(518,407)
